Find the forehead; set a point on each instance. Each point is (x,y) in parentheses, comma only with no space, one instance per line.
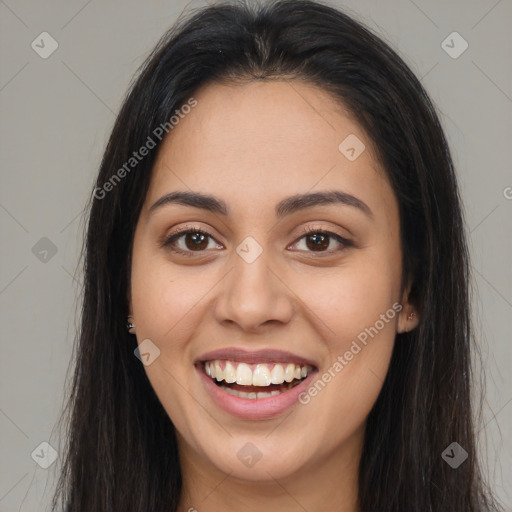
(264,140)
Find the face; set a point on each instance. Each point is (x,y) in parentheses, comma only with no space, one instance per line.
(297,300)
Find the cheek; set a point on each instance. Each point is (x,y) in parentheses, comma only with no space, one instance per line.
(166,306)
(164,297)
(352,298)
(356,311)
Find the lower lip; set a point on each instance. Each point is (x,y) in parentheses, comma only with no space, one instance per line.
(253,409)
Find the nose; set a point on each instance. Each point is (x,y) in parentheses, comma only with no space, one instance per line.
(254,295)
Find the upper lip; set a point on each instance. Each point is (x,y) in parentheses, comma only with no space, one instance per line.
(256,356)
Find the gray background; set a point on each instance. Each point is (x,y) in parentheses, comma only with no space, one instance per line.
(57,113)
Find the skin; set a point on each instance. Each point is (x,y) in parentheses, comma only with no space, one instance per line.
(252,145)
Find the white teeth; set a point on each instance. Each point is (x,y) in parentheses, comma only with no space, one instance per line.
(289,373)
(219,374)
(229,373)
(277,374)
(243,374)
(261,376)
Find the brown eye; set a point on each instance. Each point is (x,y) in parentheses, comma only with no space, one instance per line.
(194,240)
(318,240)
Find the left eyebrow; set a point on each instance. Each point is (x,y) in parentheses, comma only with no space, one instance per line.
(285,207)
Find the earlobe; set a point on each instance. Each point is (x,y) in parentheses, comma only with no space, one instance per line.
(130,322)
(130,325)
(408,319)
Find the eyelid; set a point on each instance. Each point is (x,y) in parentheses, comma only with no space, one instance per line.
(167,240)
(345,242)
(186,229)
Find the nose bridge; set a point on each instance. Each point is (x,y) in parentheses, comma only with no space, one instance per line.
(251,294)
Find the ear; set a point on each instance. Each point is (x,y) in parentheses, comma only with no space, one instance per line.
(130,318)
(408,318)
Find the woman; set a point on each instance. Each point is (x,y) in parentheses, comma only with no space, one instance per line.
(276,311)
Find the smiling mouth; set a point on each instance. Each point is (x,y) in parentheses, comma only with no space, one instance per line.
(255,381)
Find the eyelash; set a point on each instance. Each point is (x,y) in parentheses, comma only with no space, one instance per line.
(169,241)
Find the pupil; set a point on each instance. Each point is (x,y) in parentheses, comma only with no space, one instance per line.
(321,243)
(198,239)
